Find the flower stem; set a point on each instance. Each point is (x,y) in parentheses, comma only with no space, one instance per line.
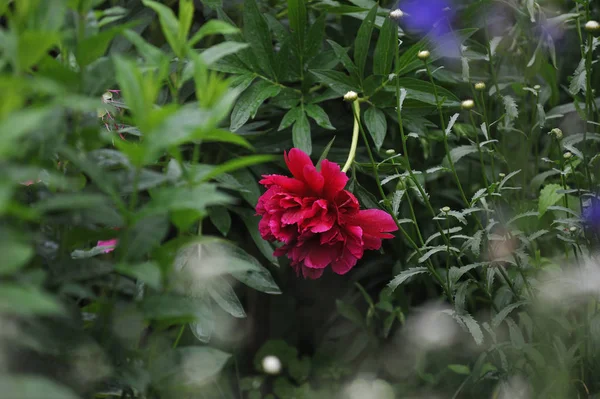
(355,130)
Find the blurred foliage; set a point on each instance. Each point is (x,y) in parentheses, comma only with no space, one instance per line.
(132,137)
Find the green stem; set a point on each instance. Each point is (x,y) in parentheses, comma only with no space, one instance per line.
(179,334)
(355,129)
(485,180)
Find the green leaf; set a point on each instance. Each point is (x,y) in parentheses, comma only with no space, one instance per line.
(213,27)
(70,201)
(314,37)
(20,386)
(460,369)
(148,272)
(457,153)
(220,218)
(184,198)
(248,103)
(324,154)
(342,55)
(301,134)
(235,164)
(169,307)
(27,301)
(405,275)
(337,81)
(215,53)
(186,14)
(376,125)
(319,115)
(385,50)
(363,39)
(251,222)
(290,117)
(349,312)
(169,25)
(297,18)
(94,47)
(131,84)
(548,197)
(18,124)
(144,236)
(15,254)
(224,295)
(202,364)
(33,46)
(256,32)
(423,91)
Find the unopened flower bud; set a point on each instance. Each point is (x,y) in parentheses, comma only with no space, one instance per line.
(567,155)
(467,104)
(537,87)
(572,229)
(423,55)
(557,133)
(592,27)
(271,364)
(396,14)
(446,209)
(107,96)
(390,151)
(480,86)
(502,175)
(350,96)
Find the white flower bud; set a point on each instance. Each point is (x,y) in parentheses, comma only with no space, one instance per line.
(390,151)
(350,96)
(480,86)
(592,26)
(446,209)
(557,133)
(271,364)
(396,14)
(423,55)
(567,155)
(467,104)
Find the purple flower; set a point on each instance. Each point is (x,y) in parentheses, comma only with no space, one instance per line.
(422,15)
(591,214)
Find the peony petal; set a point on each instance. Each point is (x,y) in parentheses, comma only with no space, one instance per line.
(311,273)
(286,183)
(296,160)
(373,222)
(335,179)
(314,179)
(345,263)
(319,256)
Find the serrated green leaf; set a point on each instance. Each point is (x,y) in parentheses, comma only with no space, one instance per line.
(405,275)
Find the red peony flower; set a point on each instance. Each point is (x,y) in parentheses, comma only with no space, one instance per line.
(318,222)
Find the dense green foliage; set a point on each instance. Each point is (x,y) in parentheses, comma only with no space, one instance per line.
(145,126)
